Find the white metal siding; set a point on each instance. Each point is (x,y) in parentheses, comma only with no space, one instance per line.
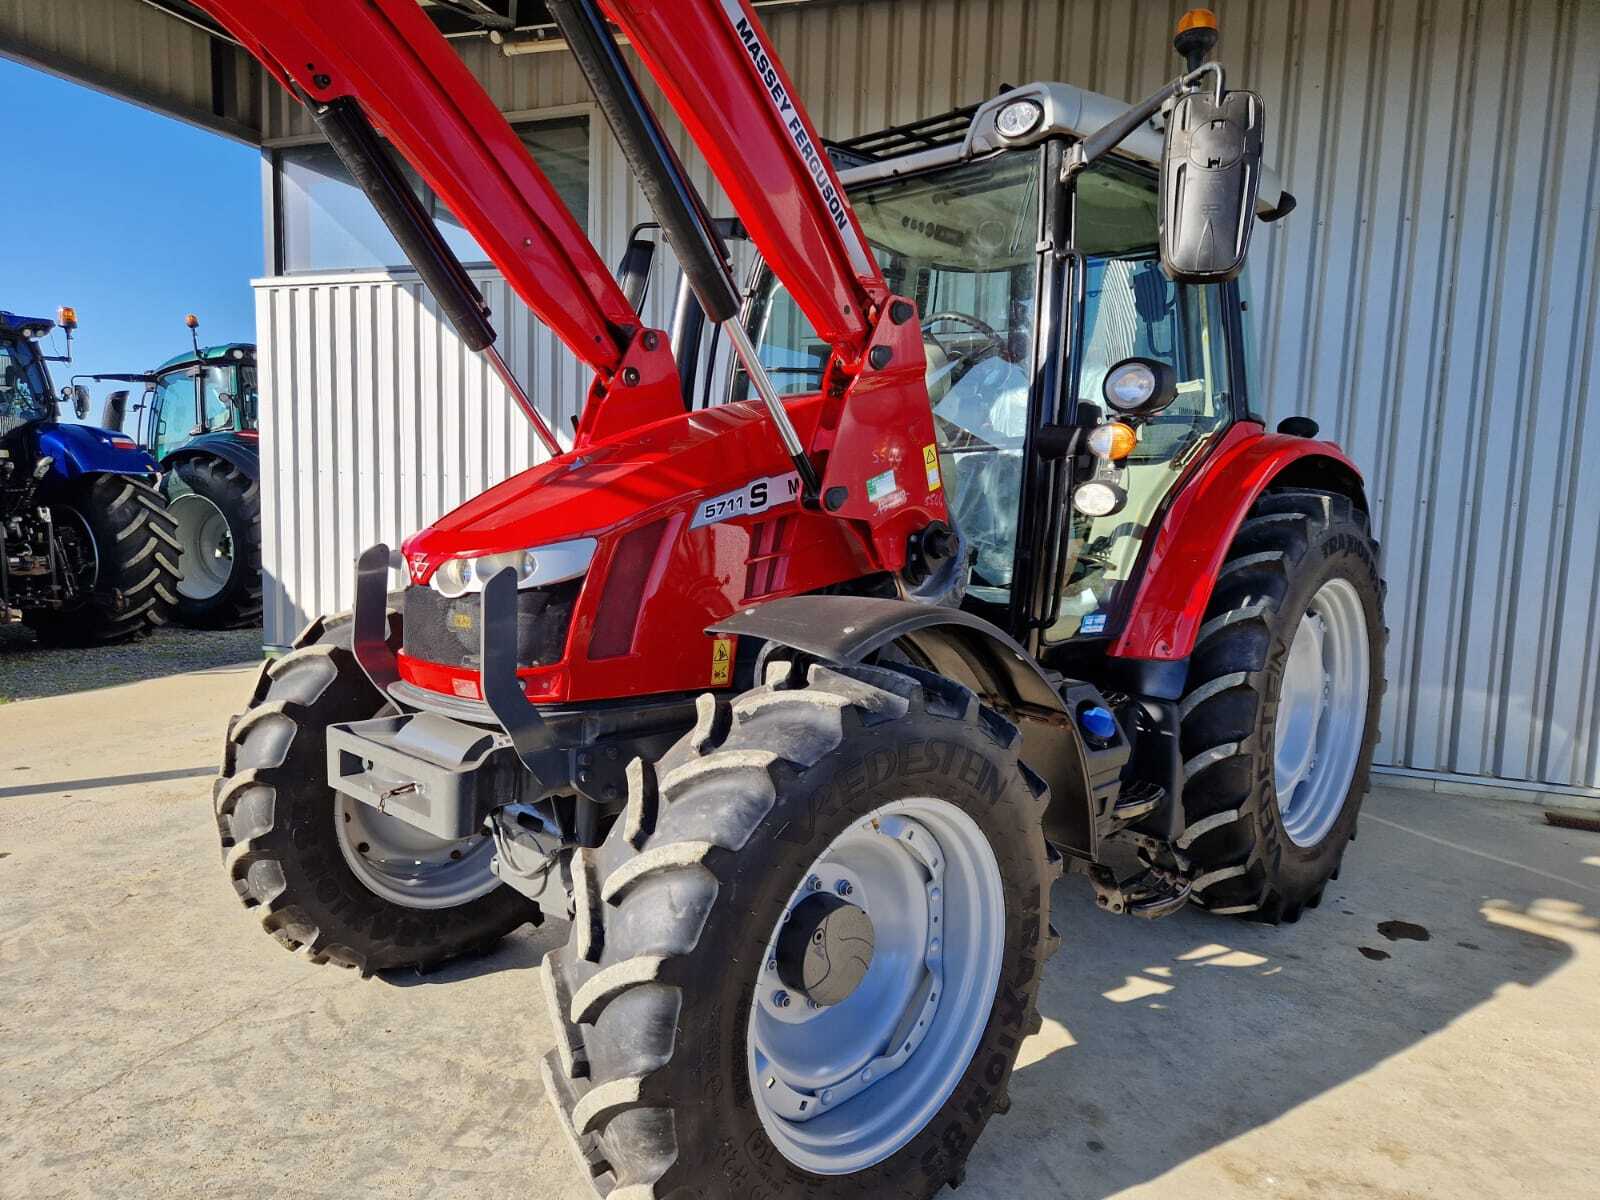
(1433,303)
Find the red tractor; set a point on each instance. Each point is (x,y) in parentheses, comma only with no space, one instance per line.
(797,705)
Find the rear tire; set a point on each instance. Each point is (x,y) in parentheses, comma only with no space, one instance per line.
(279,824)
(1253,856)
(209,598)
(652,997)
(136,564)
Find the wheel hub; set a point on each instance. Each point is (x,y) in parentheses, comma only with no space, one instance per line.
(1322,710)
(206,554)
(854,1042)
(409,867)
(825,949)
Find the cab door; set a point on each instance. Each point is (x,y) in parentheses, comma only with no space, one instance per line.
(1130,308)
(172,412)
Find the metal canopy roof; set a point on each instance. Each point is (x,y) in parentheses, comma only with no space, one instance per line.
(170,56)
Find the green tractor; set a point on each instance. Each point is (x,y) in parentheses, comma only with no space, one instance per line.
(198,419)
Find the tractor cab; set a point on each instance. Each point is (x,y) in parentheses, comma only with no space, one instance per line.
(25,394)
(1044,309)
(211,390)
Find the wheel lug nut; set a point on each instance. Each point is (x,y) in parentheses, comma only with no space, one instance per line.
(813,884)
(780,999)
(772,964)
(843,887)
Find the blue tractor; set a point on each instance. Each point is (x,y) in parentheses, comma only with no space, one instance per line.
(197,419)
(88,551)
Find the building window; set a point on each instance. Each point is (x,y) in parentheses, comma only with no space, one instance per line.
(327,223)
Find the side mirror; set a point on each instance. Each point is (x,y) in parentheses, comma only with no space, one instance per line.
(80,401)
(115,412)
(1140,387)
(633,274)
(1210,174)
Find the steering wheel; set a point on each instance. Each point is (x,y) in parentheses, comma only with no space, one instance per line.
(996,341)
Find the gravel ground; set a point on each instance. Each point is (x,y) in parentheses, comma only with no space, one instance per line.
(29,670)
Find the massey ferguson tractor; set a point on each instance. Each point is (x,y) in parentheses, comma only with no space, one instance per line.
(797,705)
(88,554)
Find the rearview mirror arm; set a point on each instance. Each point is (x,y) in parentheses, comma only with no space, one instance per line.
(1111,135)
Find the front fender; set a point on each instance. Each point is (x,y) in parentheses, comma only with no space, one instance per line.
(80,450)
(960,646)
(1193,538)
(243,453)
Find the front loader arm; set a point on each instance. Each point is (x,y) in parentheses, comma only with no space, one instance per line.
(387,57)
(712,60)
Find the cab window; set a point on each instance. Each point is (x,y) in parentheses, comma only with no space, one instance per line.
(1132,308)
(172,412)
(963,244)
(218,382)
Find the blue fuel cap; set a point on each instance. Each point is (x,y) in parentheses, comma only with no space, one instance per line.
(1098,723)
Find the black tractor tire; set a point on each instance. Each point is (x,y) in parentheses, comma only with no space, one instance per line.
(651,996)
(1245,864)
(237,605)
(276,817)
(136,582)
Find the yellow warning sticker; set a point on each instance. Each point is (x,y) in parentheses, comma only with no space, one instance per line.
(722,660)
(930,460)
(462,620)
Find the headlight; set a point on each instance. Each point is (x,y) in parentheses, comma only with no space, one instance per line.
(1019,118)
(538,566)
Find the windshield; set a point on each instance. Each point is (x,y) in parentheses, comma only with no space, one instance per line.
(962,243)
(24,390)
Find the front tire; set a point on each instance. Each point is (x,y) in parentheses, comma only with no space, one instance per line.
(284,831)
(1280,718)
(659,997)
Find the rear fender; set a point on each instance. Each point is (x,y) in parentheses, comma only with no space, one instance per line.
(1193,539)
(78,450)
(960,646)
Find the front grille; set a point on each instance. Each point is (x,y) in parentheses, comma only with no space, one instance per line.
(441,630)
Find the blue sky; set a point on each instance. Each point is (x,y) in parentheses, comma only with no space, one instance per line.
(134,218)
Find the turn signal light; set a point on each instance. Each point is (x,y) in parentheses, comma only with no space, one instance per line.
(1114,440)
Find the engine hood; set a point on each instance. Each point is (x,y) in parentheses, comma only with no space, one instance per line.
(613,485)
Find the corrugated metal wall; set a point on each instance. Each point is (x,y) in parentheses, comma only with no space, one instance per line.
(1433,303)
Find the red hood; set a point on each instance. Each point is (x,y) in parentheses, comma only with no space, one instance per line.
(611,485)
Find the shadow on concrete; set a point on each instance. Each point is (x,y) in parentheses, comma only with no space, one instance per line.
(29,671)
(104,781)
(523,950)
(1163,1041)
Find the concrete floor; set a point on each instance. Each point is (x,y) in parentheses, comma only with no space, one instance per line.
(153,1042)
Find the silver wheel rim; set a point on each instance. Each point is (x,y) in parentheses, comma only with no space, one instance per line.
(205,545)
(841,1088)
(1322,712)
(401,863)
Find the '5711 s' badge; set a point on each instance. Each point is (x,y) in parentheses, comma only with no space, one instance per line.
(755,496)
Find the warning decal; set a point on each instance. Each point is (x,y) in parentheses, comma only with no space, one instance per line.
(722,660)
(930,460)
